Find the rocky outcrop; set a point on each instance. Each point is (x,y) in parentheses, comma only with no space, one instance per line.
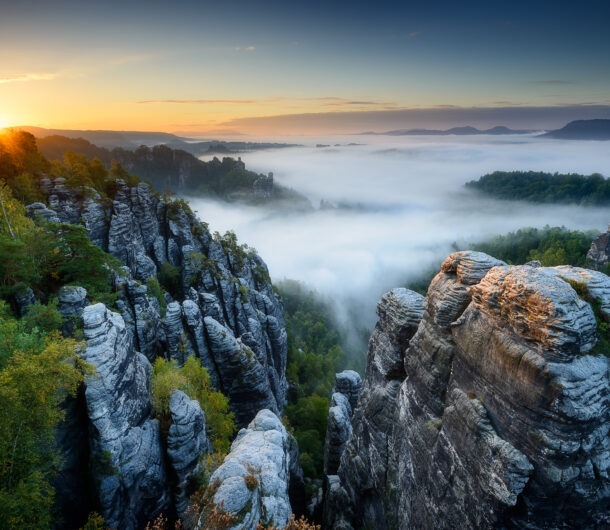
(210,278)
(338,428)
(141,313)
(241,374)
(127,462)
(252,483)
(72,301)
(186,442)
(599,253)
(501,417)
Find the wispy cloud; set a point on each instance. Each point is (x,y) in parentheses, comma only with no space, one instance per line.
(414,34)
(200,101)
(323,101)
(20,78)
(554,82)
(245,49)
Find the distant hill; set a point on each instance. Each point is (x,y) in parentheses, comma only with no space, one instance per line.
(180,171)
(458,131)
(537,186)
(134,139)
(582,130)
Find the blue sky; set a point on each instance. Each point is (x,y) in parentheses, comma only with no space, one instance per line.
(217,66)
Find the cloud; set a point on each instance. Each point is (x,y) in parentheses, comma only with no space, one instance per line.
(404,207)
(246,49)
(325,101)
(554,82)
(414,34)
(20,78)
(200,101)
(250,48)
(344,121)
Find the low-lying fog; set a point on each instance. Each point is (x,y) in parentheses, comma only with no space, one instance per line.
(404,205)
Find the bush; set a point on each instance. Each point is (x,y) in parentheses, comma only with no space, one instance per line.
(194,380)
(170,277)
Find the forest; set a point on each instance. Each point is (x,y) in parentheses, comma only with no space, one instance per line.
(537,186)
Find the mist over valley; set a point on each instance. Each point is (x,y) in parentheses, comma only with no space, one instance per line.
(388,210)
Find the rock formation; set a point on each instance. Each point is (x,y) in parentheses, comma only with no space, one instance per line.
(253,481)
(186,442)
(217,279)
(599,253)
(492,412)
(222,309)
(126,456)
(338,428)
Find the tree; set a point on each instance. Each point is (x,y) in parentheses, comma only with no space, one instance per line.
(33,382)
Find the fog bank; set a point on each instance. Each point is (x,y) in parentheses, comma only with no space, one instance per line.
(401,206)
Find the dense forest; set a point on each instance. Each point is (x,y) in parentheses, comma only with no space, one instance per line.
(316,351)
(536,186)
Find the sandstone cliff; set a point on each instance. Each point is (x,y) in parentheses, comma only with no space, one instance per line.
(599,253)
(223,289)
(222,309)
(485,406)
(253,482)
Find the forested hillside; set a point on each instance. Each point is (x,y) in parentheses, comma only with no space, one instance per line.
(537,186)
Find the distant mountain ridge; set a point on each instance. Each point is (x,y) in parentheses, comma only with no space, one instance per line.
(135,139)
(458,131)
(598,129)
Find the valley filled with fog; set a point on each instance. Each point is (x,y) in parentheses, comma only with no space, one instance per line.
(395,207)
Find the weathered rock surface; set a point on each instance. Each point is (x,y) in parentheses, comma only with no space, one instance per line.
(502,417)
(218,279)
(241,374)
(186,442)
(253,481)
(222,309)
(126,455)
(72,301)
(338,428)
(338,431)
(599,253)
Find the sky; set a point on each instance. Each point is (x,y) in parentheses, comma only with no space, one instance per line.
(256,68)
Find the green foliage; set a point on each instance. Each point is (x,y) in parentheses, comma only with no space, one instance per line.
(550,245)
(536,186)
(45,318)
(308,418)
(170,277)
(39,372)
(603,329)
(194,380)
(49,256)
(315,354)
(155,289)
(67,256)
(237,253)
(21,164)
(94,522)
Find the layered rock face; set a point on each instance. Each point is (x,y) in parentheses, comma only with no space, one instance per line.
(253,481)
(186,442)
(217,280)
(126,455)
(499,417)
(222,309)
(599,253)
(339,428)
